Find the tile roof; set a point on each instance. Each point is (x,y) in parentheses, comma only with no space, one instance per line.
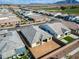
(34,34)
(31,34)
(71,25)
(9,43)
(55,28)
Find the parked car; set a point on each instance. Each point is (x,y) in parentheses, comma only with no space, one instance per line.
(59,16)
(66,18)
(76,19)
(69,18)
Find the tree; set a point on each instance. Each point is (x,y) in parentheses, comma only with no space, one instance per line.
(62,8)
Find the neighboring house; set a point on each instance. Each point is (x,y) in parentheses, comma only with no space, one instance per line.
(10,44)
(56,29)
(36,17)
(4,10)
(35,36)
(73,26)
(8,19)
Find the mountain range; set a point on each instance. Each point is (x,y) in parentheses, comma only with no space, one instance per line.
(39,1)
(67,2)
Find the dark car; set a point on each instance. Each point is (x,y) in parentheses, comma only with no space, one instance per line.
(69,18)
(66,18)
(59,16)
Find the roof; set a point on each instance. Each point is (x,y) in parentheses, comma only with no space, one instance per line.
(4,18)
(37,17)
(0,56)
(9,43)
(31,34)
(34,34)
(71,25)
(55,28)
(3,32)
(45,35)
(7,15)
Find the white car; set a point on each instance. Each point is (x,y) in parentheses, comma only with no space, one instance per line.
(76,19)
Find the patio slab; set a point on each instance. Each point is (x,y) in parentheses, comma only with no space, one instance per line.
(44,49)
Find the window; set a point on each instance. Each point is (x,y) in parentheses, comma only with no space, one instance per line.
(65,33)
(9,23)
(5,23)
(49,38)
(45,40)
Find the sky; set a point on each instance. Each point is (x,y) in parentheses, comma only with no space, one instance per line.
(27,1)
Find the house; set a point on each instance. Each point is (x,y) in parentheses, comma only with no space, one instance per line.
(8,19)
(36,17)
(10,44)
(56,29)
(35,36)
(73,26)
(4,10)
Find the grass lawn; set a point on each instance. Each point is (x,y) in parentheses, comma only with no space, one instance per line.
(23,57)
(53,10)
(68,38)
(69,11)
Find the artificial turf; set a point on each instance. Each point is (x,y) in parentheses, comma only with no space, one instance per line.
(68,38)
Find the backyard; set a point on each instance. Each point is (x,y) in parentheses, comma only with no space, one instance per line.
(68,38)
(16,57)
(25,55)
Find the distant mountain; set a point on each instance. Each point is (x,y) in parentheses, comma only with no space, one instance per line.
(67,2)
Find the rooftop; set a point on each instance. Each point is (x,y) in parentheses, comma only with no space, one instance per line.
(8,18)
(34,33)
(7,15)
(71,25)
(37,17)
(9,42)
(55,27)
